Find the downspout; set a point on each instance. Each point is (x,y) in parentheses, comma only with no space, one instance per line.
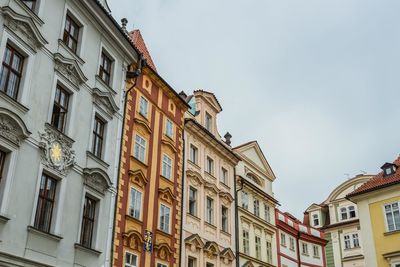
(182,197)
(298,247)
(237,216)
(129,75)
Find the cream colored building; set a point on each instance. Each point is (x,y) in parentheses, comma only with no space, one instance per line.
(338,218)
(256,208)
(208,235)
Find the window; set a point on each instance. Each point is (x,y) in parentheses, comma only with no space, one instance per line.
(11,72)
(30,3)
(88,221)
(45,205)
(71,34)
(143,106)
(267,212)
(209,264)
(392,216)
(130,260)
(169,129)
(347,242)
(356,241)
(167,167)
(208,122)
(140,148)
(161,265)
(245,200)
(210,210)
(192,201)
(283,239)
(304,248)
(98,137)
(2,162)
(256,203)
(343,213)
(291,243)
(315,251)
(246,243)
(269,252)
(60,108)
(193,154)
(224,219)
(105,68)
(135,204)
(191,262)
(210,165)
(258,247)
(164,218)
(315,219)
(352,212)
(224,176)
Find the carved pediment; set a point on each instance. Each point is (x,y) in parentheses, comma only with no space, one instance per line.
(57,152)
(166,195)
(70,69)
(212,249)
(144,125)
(134,240)
(195,177)
(226,196)
(194,241)
(25,26)
(227,254)
(137,177)
(248,264)
(96,179)
(212,188)
(104,100)
(164,251)
(12,127)
(169,143)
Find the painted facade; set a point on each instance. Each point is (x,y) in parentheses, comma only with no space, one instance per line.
(60,126)
(298,244)
(208,237)
(338,218)
(378,202)
(256,207)
(148,218)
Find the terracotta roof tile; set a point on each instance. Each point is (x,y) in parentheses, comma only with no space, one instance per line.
(379,181)
(139,43)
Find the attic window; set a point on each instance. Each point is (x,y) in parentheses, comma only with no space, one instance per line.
(388,169)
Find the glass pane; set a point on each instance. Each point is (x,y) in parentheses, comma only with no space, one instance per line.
(7,56)
(3,77)
(12,85)
(16,64)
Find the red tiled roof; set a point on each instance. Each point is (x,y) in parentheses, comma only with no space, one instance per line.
(379,181)
(139,43)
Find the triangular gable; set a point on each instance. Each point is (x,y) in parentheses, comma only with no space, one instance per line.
(313,207)
(137,177)
(166,195)
(194,240)
(252,152)
(70,69)
(248,264)
(104,100)
(138,42)
(227,254)
(210,98)
(212,248)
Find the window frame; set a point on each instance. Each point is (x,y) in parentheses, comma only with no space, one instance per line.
(304,248)
(208,121)
(316,251)
(144,106)
(269,252)
(224,219)
(143,147)
(291,243)
(246,241)
(209,210)
(134,202)
(165,223)
(66,34)
(169,128)
(167,167)
(99,136)
(40,211)
(315,219)
(63,110)
(210,165)
(89,218)
(108,72)
(396,227)
(256,207)
(3,156)
(194,157)
(192,202)
(267,213)
(9,66)
(245,204)
(257,246)
(224,176)
(283,239)
(192,262)
(129,264)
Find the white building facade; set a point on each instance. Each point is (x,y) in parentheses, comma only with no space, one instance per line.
(61,109)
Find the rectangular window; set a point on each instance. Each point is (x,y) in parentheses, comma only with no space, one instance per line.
(291,243)
(169,129)
(305,248)
(60,108)
(256,203)
(347,242)
(269,252)
(258,247)
(88,221)
(130,260)
(143,106)
(315,219)
(45,205)
(209,264)
(210,210)
(164,218)
(30,3)
(392,213)
(193,154)
(71,34)
(246,242)
(267,212)
(105,68)
(192,201)
(167,167)
(208,122)
(316,251)
(2,162)
(161,265)
(245,200)
(210,165)
(191,262)
(224,219)
(140,148)
(283,239)
(343,213)
(135,205)
(356,241)
(11,72)
(98,137)
(224,176)
(352,212)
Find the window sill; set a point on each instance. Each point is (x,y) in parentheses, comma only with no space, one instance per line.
(36,231)
(305,254)
(210,175)
(104,84)
(350,249)
(392,232)
(34,16)
(210,225)
(225,233)
(48,125)
(194,164)
(145,117)
(193,216)
(66,48)
(97,159)
(4,219)
(133,218)
(13,102)
(225,185)
(88,250)
(140,162)
(162,232)
(317,257)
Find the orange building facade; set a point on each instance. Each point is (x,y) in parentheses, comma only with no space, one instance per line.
(148,215)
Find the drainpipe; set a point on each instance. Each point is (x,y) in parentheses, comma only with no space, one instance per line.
(298,247)
(236,216)
(182,197)
(129,75)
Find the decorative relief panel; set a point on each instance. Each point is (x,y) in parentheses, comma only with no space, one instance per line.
(70,69)
(96,179)
(12,127)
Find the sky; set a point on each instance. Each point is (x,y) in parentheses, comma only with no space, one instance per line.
(313,81)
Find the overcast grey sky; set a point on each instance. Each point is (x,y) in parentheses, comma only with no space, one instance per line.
(315,82)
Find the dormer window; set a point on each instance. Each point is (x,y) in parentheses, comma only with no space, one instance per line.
(388,169)
(315,219)
(208,123)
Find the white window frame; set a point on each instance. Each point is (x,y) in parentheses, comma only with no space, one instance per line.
(82,32)
(169,128)
(98,214)
(102,116)
(245,200)
(195,200)
(257,246)
(386,218)
(114,62)
(194,148)
(226,230)
(315,217)
(210,165)
(165,225)
(347,241)
(208,121)
(304,248)
(134,202)
(315,251)
(10,164)
(143,106)
(267,212)
(129,264)
(209,210)
(224,176)
(246,241)
(140,149)
(167,167)
(291,243)
(283,239)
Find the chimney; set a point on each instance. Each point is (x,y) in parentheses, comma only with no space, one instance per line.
(183,95)
(124,22)
(228,137)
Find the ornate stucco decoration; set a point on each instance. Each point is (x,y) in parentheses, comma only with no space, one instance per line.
(211,249)
(227,255)
(57,150)
(195,242)
(211,188)
(195,177)
(105,101)
(137,177)
(166,195)
(134,240)
(164,251)
(226,197)
(143,125)
(12,127)
(169,143)
(24,26)
(70,69)
(96,179)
